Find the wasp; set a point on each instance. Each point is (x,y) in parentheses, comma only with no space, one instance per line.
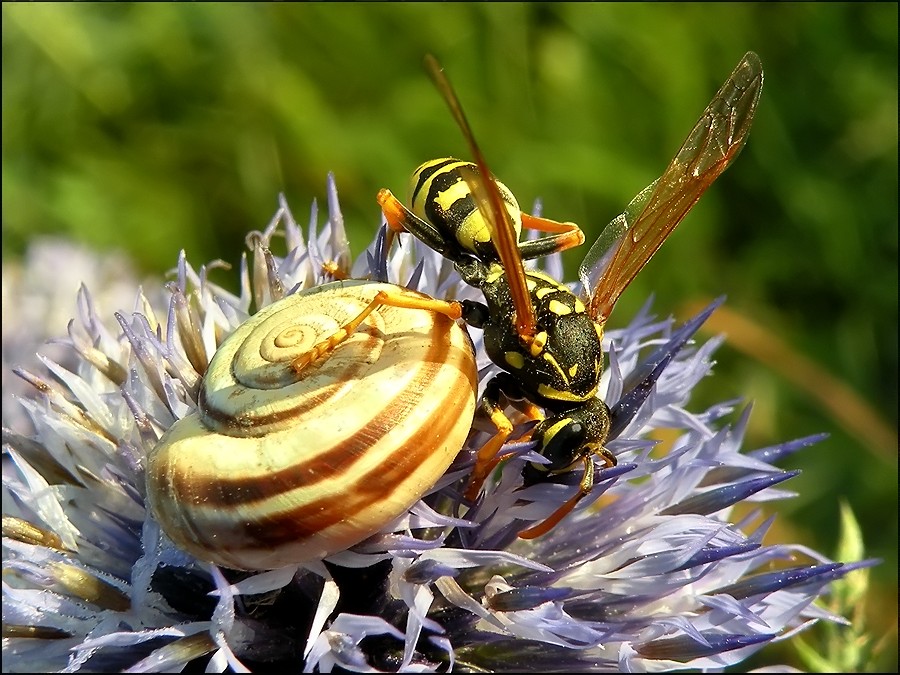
(546,339)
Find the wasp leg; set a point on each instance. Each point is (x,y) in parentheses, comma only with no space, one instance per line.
(584,489)
(490,450)
(401,219)
(397,298)
(567,235)
(487,457)
(529,409)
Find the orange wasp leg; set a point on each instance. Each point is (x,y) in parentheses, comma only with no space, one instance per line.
(529,409)
(394,213)
(487,458)
(566,236)
(401,219)
(393,209)
(382,298)
(584,489)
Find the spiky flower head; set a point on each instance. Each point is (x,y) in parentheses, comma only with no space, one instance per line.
(648,574)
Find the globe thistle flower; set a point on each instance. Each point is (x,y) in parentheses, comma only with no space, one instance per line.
(36,305)
(647,574)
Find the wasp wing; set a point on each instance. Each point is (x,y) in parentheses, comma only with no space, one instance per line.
(632,238)
(490,204)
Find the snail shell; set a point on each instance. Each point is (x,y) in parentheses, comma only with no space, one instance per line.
(278,468)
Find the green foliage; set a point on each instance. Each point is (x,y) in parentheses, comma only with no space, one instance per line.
(157,127)
(848,648)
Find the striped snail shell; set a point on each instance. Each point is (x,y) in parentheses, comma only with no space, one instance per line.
(276,467)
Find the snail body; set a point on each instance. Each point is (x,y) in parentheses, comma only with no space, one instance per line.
(277,467)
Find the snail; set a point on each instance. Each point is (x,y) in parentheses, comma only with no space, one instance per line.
(278,467)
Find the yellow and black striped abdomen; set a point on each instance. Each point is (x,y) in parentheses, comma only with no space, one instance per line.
(440,195)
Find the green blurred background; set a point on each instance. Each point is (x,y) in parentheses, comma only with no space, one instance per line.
(157,127)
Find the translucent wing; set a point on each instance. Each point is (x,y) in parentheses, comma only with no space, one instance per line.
(490,204)
(630,240)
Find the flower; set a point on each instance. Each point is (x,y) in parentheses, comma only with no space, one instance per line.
(36,305)
(648,572)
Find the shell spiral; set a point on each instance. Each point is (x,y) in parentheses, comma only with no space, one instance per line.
(277,467)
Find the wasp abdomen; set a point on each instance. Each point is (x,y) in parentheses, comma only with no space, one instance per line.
(440,195)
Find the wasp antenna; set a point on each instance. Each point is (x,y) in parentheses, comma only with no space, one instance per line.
(490,204)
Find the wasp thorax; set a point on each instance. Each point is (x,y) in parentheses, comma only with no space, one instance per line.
(278,467)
